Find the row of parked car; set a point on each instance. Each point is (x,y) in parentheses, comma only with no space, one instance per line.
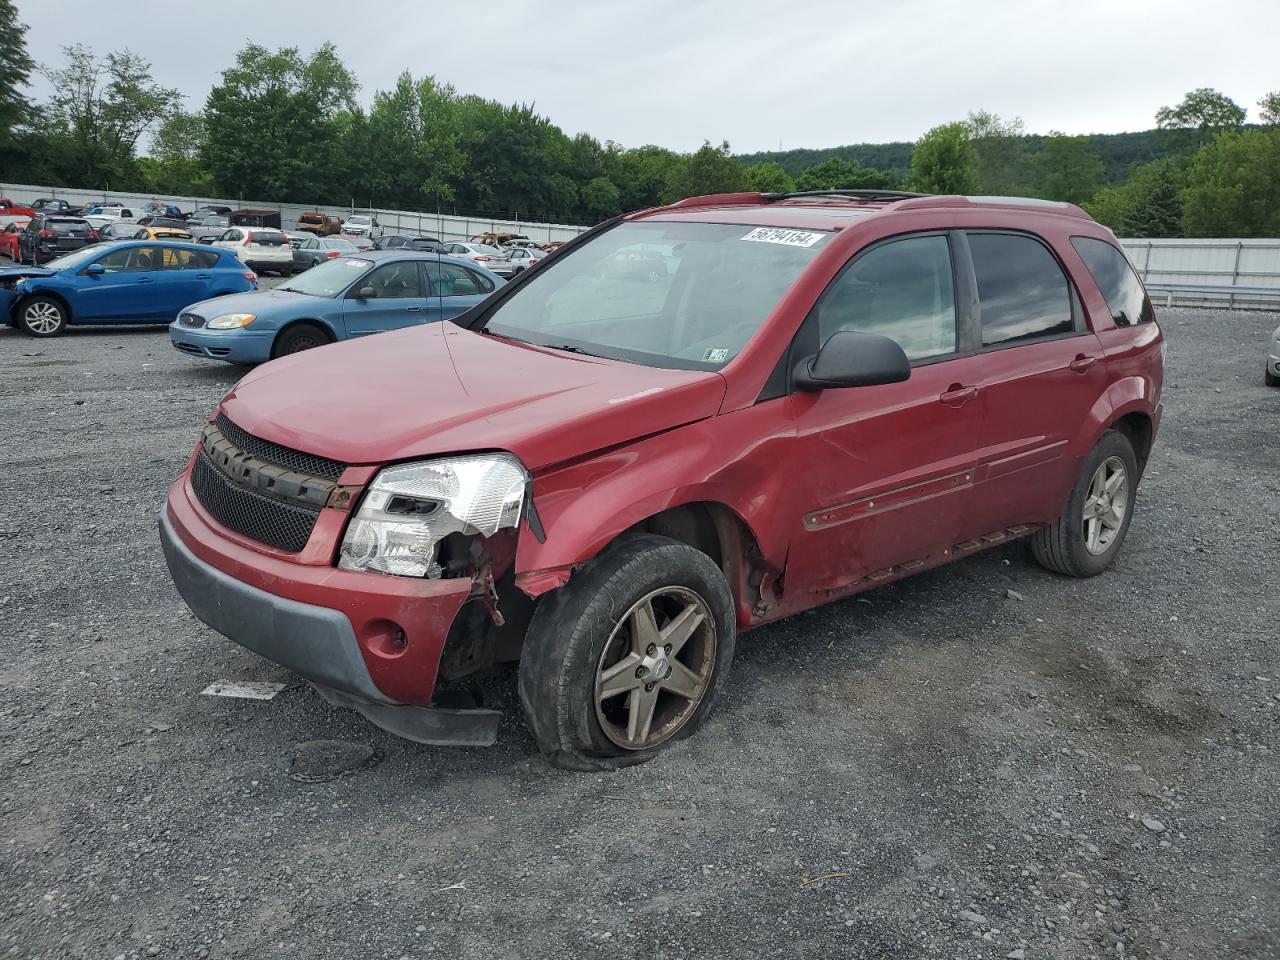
(255,236)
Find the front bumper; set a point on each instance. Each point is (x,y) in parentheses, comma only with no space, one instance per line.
(366,641)
(234,346)
(1273,359)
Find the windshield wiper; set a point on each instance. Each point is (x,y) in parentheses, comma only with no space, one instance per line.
(566,348)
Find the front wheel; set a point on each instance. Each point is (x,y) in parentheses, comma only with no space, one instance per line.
(629,656)
(1270,378)
(1093,525)
(302,336)
(42,317)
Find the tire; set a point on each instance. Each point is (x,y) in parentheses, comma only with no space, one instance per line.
(299,337)
(42,317)
(1069,546)
(1270,378)
(585,629)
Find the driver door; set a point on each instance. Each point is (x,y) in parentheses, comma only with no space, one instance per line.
(884,469)
(396,297)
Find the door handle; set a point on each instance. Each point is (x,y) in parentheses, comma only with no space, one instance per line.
(958,395)
(1082,363)
(412,309)
(202,276)
(144,279)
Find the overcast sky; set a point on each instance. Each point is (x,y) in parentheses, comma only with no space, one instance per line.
(804,73)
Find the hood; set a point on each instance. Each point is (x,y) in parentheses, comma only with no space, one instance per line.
(261,302)
(17,272)
(440,389)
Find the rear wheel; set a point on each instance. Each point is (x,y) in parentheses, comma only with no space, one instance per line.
(1095,520)
(629,656)
(42,317)
(299,337)
(1271,379)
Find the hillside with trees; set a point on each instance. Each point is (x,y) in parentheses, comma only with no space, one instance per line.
(287,126)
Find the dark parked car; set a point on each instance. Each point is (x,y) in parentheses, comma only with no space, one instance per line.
(173,223)
(48,236)
(399,241)
(610,477)
(307,253)
(199,213)
(55,205)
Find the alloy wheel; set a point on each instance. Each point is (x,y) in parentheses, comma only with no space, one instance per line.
(42,317)
(655,668)
(1105,505)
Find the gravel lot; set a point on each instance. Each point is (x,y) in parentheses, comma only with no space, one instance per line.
(936,769)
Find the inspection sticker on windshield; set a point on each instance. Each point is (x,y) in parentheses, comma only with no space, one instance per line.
(790,238)
(718,355)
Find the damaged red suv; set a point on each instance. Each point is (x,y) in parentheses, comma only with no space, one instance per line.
(607,473)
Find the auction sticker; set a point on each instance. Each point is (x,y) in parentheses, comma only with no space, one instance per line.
(789,238)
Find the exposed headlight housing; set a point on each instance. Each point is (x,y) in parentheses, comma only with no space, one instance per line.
(232,321)
(410,509)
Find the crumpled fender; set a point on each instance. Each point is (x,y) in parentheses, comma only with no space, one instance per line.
(730,460)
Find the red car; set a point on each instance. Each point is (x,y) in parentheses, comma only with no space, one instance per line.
(608,476)
(9,235)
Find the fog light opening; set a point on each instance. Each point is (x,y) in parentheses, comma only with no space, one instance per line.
(385,638)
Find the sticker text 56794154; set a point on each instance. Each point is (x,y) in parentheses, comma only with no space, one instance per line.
(789,238)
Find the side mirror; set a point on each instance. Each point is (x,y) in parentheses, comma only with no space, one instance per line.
(367,293)
(95,270)
(850,359)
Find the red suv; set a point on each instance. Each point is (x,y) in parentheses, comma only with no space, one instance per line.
(608,475)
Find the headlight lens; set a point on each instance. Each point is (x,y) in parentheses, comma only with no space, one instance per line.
(231,321)
(408,510)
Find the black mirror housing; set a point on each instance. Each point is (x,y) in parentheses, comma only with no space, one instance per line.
(850,359)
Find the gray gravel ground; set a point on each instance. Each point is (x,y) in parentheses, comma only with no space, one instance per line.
(936,769)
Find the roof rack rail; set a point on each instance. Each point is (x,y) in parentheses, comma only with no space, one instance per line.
(716,199)
(887,195)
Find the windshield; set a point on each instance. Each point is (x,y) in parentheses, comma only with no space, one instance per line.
(359,221)
(329,278)
(683,295)
(215,222)
(339,243)
(74,260)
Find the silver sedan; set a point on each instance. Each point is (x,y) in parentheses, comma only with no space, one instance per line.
(1273,360)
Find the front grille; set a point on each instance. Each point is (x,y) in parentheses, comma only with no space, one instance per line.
(278,524)
(190,320)
(273,453)
(190,348)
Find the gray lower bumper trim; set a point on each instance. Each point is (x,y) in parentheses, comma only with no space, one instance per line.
(433,725)
(315,642)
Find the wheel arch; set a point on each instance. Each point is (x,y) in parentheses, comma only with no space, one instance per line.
(48,294)
(324,325)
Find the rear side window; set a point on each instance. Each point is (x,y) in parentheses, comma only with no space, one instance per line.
(197,259)
(901,290)
(1116,280)
(1022,292)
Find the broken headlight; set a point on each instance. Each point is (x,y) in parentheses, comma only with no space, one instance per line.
(409,509)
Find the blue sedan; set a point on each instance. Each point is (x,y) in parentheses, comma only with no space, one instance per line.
(348,296)
(129,282)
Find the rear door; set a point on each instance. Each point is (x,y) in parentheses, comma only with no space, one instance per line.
(395,298)
(1039,378)
(883,468)
(454,289)
(179,280)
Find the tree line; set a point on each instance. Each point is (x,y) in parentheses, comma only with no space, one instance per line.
(285,126)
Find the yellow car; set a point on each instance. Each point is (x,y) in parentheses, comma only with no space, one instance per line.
(162,233)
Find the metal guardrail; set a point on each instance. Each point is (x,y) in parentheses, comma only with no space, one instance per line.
(1235,296)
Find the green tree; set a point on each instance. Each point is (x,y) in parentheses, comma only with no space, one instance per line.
(643,174)
(15,71)
(99,111)
(1269,108)
(1233,187)
(769,178)
(1001,149)
(1067,169)
(837,174)
(1148,204)
(944,161)
(173,162)
(600,198)
(1202,113)
(709,170)
(271,124)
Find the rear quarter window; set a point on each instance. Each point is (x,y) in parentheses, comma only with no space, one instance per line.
(1118,284)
